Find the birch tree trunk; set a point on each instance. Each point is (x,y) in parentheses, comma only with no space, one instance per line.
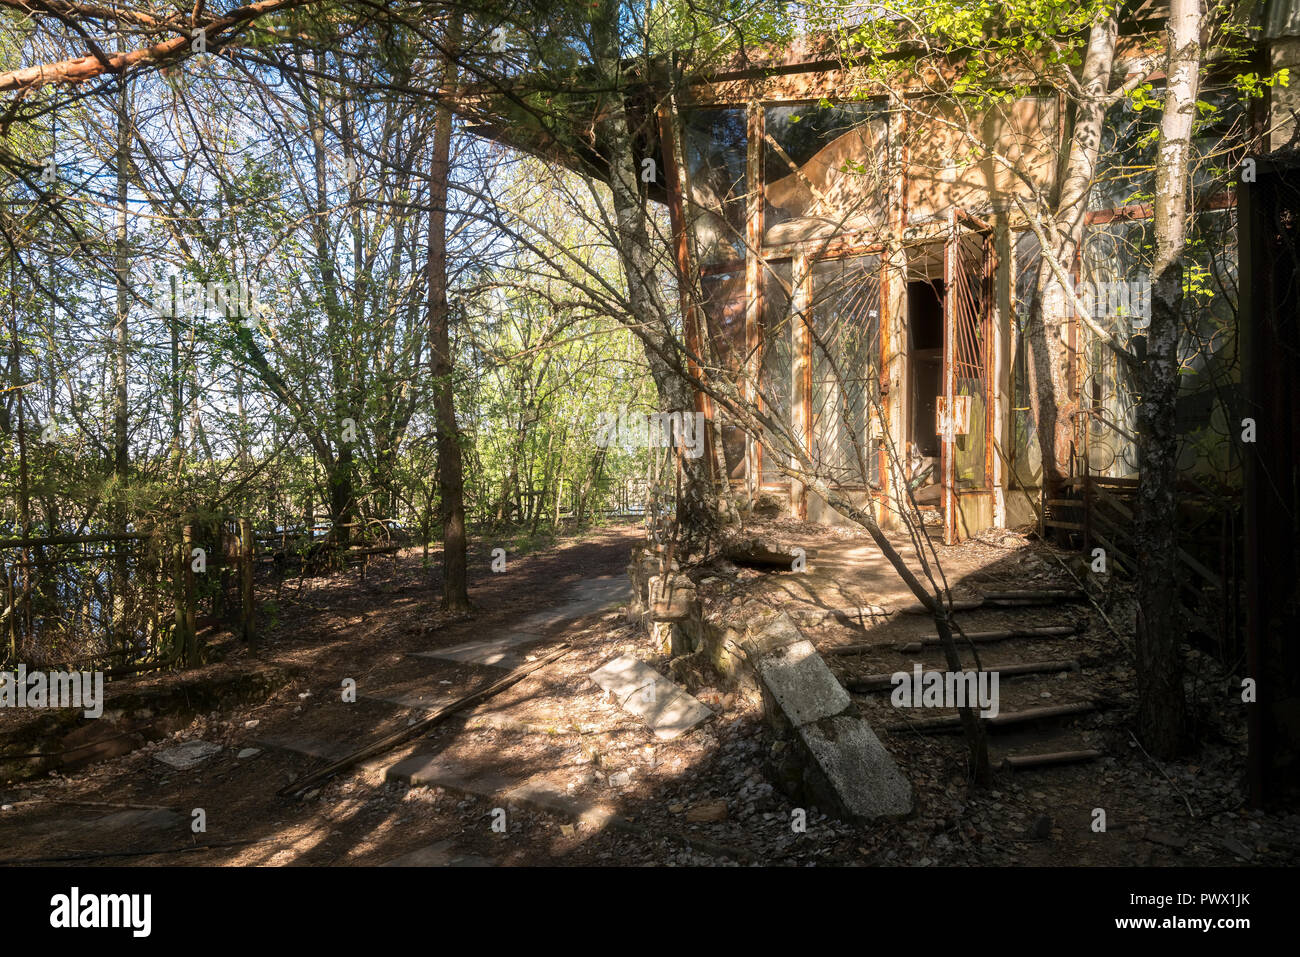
(1161,706)
(1049,385)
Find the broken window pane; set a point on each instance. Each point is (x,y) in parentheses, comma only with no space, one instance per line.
(1116,262)
(1126,166)
(823,170)
(1209,394)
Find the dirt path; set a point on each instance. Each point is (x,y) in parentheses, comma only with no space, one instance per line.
(381,634)
(554,771)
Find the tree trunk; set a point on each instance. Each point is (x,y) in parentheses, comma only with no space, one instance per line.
(451,478)
(342,499)
(121,346)
(1161,705)
(696,506)
(1049,385)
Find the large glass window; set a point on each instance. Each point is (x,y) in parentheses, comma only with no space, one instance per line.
(845,330)
(823,170)
(1126,168)
(716,145)
(1026,456)
(724,310)
(777,368)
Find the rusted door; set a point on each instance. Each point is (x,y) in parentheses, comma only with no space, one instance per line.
(965,407)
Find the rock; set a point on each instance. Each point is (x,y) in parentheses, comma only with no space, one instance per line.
(672,598)
(1236,848)
(707,813)
(252,723)
(188,755)
(249,753)
(620,779)
(1041,829)
(1168,840)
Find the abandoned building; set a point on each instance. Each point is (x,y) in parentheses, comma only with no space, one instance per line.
(915,268)
(859,260)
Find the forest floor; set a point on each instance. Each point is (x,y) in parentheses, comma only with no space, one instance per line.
(553,771)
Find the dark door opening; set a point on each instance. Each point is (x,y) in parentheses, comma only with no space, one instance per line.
(925,355)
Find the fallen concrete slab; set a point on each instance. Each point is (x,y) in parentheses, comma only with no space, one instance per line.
(845,769)
(662,704)
(793,676)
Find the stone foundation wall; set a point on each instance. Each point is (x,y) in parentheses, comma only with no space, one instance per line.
(824,752)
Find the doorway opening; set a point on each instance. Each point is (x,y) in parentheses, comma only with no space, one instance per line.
(925,355)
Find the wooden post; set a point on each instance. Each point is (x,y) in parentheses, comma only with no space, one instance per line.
(11,602)
(191,598)
(180,638)
(219,552)
(247,624)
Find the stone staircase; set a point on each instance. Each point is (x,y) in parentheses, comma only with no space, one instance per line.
(1046,690)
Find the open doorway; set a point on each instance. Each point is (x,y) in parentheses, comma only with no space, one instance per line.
(925,318)
(925,356)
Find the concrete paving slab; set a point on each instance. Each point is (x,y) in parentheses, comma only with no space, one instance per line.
(662,704)
(139,819)
(587,597)
(423,770)
(544,795)
(498,652)
(311,747)
(427,700)
(441,854)
(540,795)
